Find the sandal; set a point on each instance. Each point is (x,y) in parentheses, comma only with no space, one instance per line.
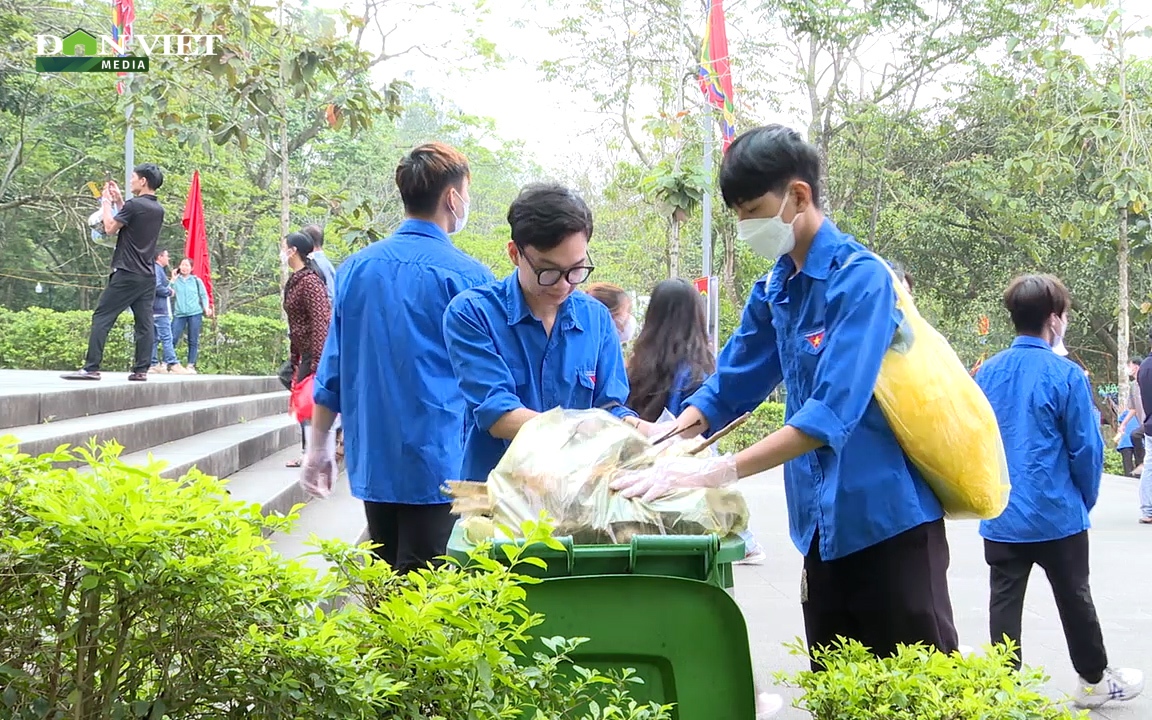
(294,463)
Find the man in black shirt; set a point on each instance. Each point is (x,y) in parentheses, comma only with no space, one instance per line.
(132,283)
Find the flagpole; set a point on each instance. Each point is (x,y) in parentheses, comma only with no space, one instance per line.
(706,202)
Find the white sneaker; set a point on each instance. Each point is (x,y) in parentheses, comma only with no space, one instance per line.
(768,706)
(1119,685)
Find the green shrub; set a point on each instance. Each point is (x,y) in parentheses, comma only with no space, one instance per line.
(1113,463)
(765,419)
(919,683)
(129,596)
(233,344)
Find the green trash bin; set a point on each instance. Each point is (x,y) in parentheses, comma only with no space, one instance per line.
(660,606)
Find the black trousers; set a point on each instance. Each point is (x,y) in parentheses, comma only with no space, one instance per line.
(1127,457)
(1066,564)
(124,290)
(893,593)
(409,536)
(1138,446)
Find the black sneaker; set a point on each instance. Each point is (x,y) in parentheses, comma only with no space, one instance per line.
(82,375)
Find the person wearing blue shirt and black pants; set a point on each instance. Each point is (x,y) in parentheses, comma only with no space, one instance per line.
(870,528)
(385,369)
(531,342)
(1051,432)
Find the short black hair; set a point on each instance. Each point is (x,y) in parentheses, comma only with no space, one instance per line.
(160,251)
(315,232)
(766,159)
(1032,299)
(543,214)
(425,173)
(151,174)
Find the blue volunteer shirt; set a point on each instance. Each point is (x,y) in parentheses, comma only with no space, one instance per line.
(1051,433)
(823,331)
(385,368)
(505,361)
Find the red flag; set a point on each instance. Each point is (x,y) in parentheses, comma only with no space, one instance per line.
(196,247)
(715,71)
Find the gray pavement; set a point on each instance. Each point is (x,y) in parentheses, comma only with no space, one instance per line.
(1121,584)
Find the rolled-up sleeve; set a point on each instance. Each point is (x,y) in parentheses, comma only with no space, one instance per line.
(611,375)
(483,376)
(1081,429)
(748,367)
(860,320)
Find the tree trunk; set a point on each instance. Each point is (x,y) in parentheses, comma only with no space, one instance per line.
(674,247)
(285,187)
(728,275)
(1122,325)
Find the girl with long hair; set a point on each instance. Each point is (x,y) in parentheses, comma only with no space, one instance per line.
(671,359)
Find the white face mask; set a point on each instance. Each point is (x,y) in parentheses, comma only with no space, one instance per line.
(461,220)
(770,237)
(629,331)
(1059,329)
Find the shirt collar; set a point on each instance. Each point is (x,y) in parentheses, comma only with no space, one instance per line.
(414,226)
(1031,342)
(818,263)
(517,308)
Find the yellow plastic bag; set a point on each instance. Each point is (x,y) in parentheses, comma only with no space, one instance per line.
(941,418)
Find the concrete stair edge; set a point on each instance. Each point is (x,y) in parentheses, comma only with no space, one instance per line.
(67,400)
(224,451)
(142,428)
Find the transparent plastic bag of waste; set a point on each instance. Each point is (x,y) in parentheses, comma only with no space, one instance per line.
(562,461)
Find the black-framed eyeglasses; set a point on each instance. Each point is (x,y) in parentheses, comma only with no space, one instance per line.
(550,276)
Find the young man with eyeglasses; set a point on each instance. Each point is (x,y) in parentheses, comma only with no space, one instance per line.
(531,342)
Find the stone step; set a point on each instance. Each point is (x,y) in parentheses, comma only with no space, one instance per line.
(147,427)
(336,517)
(270,483)
(225,451)
(31,397)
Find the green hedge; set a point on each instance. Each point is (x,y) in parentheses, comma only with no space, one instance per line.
(39,339)
(765,419)
(126,596)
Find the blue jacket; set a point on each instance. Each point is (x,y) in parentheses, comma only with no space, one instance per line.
(823,331)
(163,291)
(1051,433)
(385,368)
(504,361)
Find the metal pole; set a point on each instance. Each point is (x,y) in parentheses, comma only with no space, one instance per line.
(706,204)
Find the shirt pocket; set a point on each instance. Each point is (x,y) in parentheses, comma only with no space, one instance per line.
(811,342)
(583,390)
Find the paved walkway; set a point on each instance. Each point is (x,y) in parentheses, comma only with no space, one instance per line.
(1121,584)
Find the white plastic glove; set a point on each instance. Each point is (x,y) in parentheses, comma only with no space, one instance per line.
(673,473)
(318,471)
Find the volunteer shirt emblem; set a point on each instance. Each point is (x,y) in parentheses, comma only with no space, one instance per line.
(815,339)
(591,376)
